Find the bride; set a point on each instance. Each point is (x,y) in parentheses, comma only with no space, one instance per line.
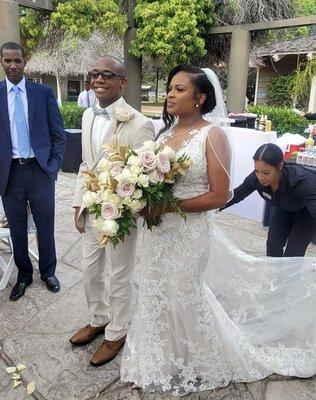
(207,313)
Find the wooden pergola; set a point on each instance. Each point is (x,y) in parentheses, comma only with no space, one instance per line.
(239,51)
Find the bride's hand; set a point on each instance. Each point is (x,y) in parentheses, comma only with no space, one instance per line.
(145,213)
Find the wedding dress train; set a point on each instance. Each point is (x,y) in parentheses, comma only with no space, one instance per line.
(207,313)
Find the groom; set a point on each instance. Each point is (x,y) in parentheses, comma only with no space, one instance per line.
(106,271)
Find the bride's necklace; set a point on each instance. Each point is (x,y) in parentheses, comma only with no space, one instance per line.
(186,131)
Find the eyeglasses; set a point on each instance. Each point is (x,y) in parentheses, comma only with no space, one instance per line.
(106,75)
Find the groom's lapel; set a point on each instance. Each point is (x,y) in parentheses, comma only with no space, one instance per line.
(87,138)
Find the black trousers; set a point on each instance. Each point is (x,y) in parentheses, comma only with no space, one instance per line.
(290,233)
(29,184)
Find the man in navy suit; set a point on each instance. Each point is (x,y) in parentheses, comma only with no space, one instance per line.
(32,140)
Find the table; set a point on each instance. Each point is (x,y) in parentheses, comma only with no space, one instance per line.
(245,143)
(73,151)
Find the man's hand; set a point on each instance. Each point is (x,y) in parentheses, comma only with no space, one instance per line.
(79,220)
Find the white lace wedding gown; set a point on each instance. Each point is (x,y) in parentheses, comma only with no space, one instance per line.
(207,313)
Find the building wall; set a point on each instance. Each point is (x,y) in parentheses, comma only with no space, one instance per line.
(50,80)
(284,66)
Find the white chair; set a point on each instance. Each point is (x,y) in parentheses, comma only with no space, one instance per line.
(5,238)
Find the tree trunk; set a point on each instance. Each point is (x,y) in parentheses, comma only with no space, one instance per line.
(157,83)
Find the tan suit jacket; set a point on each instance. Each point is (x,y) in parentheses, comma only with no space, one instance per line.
(133,133)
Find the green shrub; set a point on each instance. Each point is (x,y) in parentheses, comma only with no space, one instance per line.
(283,119)
(72,115)
(280,89)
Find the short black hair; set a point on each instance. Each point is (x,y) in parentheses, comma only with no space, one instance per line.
(269,153)
(203,85)
(88,82)
(12,46)
(120,64)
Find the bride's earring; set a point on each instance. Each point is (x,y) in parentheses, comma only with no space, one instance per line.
(197,104)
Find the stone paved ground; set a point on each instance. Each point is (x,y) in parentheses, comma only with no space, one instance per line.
(35,330)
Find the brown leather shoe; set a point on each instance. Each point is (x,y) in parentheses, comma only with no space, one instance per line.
(86,335)
(107,351)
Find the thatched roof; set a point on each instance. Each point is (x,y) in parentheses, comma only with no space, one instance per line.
(66,58)
(299,45)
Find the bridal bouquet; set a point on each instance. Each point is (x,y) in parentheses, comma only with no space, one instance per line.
(125,181)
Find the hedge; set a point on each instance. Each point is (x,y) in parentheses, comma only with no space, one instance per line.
(283,119)
(72,115)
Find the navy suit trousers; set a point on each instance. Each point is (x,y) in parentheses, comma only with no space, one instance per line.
(30,184)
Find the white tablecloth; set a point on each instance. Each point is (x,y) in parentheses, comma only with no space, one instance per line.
(245,143)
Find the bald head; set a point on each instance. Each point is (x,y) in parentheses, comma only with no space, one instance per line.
(114,64)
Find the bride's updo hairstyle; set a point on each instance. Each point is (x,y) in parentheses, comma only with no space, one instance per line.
(270,154)
(202,85)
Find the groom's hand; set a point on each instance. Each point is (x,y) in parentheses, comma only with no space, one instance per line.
(79,220)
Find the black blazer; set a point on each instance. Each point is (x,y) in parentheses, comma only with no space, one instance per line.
(297,189)
(46,127)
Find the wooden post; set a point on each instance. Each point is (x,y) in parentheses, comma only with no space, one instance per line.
(9,23)
(132,93)
(238,70)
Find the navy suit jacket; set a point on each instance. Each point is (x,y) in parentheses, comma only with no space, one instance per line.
(46,129)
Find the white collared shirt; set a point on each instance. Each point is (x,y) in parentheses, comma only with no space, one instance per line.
(83,98)
(11,97)
(101,124)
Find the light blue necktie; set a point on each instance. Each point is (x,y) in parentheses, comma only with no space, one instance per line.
(24,145)
(100,111)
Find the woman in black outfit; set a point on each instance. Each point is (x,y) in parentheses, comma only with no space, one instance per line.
(291,188)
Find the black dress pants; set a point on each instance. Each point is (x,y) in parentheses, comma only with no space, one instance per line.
(29,184)
(290,233)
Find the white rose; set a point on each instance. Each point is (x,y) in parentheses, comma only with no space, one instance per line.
(115,199)
(98,224)
(110,228)
(104,165)
(125,188)
(170,153)
(109,211)
(137,194)
(148,159)
(163,163)
(137,205)
(133,178)
(156,176)
(136,170)
(150,144)
(127,201)
(123,115)
(143,180)
(90,198)
(117,168)
(104,177)
(134,161)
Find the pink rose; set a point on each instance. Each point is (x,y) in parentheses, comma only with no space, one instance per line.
(156,176)
(163,163)
(125,189)
(109,211)
(148,159)
(117,168)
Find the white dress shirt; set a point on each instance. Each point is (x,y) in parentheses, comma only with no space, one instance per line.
(11,97)
(101,124)
(83,98)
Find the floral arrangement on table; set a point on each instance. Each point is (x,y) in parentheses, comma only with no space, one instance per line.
(126,181)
